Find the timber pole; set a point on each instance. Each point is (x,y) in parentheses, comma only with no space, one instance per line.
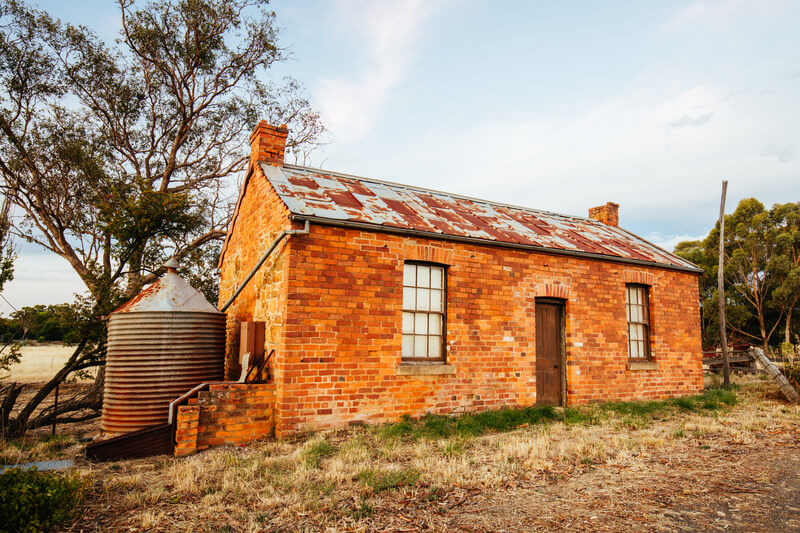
(723,319)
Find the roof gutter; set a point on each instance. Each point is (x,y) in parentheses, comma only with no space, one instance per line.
(484,242)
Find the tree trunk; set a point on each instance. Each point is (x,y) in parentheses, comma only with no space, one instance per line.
(19,424)
(91,399)
(134,284)
(788,333)
(763,328)
(11,393)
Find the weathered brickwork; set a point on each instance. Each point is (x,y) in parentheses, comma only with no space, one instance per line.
(332,304)
(227,413)
(260,217)
(186,426)
(343,329)
(608,213)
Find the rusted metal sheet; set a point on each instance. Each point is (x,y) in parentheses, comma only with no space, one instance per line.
(324,194)
(162,343)
(153,440)
(170,293)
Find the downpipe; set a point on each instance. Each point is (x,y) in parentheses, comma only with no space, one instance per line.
(285,233)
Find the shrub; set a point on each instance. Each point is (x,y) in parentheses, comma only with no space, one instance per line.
(37,501)
(791,369)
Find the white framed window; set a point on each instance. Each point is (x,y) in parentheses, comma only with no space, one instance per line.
(424,298)
(638,308)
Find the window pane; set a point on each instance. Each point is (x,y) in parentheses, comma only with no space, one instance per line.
(409,275)
(636,313)
(408,298)
(408,346)
(420,345)
(408,322)
(436,277)
(634,349)
(421,323)
(423,299)
(435,324)
(436,300)
(434,346)
(423,276)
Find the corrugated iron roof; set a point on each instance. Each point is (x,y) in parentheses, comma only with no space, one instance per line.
(342,197)
(170,293)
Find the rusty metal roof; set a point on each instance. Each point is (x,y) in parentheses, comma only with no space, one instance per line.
(341,197)
(170,293)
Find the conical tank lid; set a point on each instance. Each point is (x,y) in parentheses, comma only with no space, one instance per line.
(170,293)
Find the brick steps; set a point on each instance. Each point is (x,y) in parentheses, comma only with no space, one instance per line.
(225,414)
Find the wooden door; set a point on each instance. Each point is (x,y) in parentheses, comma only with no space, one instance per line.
(548,353)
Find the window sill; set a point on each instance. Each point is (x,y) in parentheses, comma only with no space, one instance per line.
(409,369)
(642,365)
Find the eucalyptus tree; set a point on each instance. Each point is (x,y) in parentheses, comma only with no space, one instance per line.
(786,296)
(755,265)
(116,156)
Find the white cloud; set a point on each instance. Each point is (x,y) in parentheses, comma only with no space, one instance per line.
(629,150)
(668,242)
(718,12)
(39,278)
(387,32)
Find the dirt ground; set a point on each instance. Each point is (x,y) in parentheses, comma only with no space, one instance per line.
(722,469)
(714,484)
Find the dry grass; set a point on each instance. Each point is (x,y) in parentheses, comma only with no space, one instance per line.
(39,362)
(344,480)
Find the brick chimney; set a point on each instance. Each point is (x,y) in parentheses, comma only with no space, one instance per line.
(607,214)
(268,144)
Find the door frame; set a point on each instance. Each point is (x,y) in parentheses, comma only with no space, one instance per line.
(561,302)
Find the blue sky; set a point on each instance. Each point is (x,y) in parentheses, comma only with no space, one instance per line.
(553,105)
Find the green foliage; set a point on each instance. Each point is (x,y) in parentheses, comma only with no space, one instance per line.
(7,257)
(468,425)
(316,451)
(791,369)
(762,272)
(37,501)
(580,416)
(43,323)
(380,480)
(452,448)
(135,169)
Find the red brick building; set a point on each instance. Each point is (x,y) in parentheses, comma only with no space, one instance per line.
(402,300)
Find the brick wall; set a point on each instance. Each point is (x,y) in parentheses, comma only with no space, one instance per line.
(343,329)
(332,302)
(260,216)
(227,413)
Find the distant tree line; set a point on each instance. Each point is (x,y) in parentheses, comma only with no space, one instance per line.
(42,323)
(762,275)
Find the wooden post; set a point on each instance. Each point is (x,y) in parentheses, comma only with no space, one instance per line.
(723,319)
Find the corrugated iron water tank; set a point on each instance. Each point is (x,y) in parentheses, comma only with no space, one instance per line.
(161,343)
